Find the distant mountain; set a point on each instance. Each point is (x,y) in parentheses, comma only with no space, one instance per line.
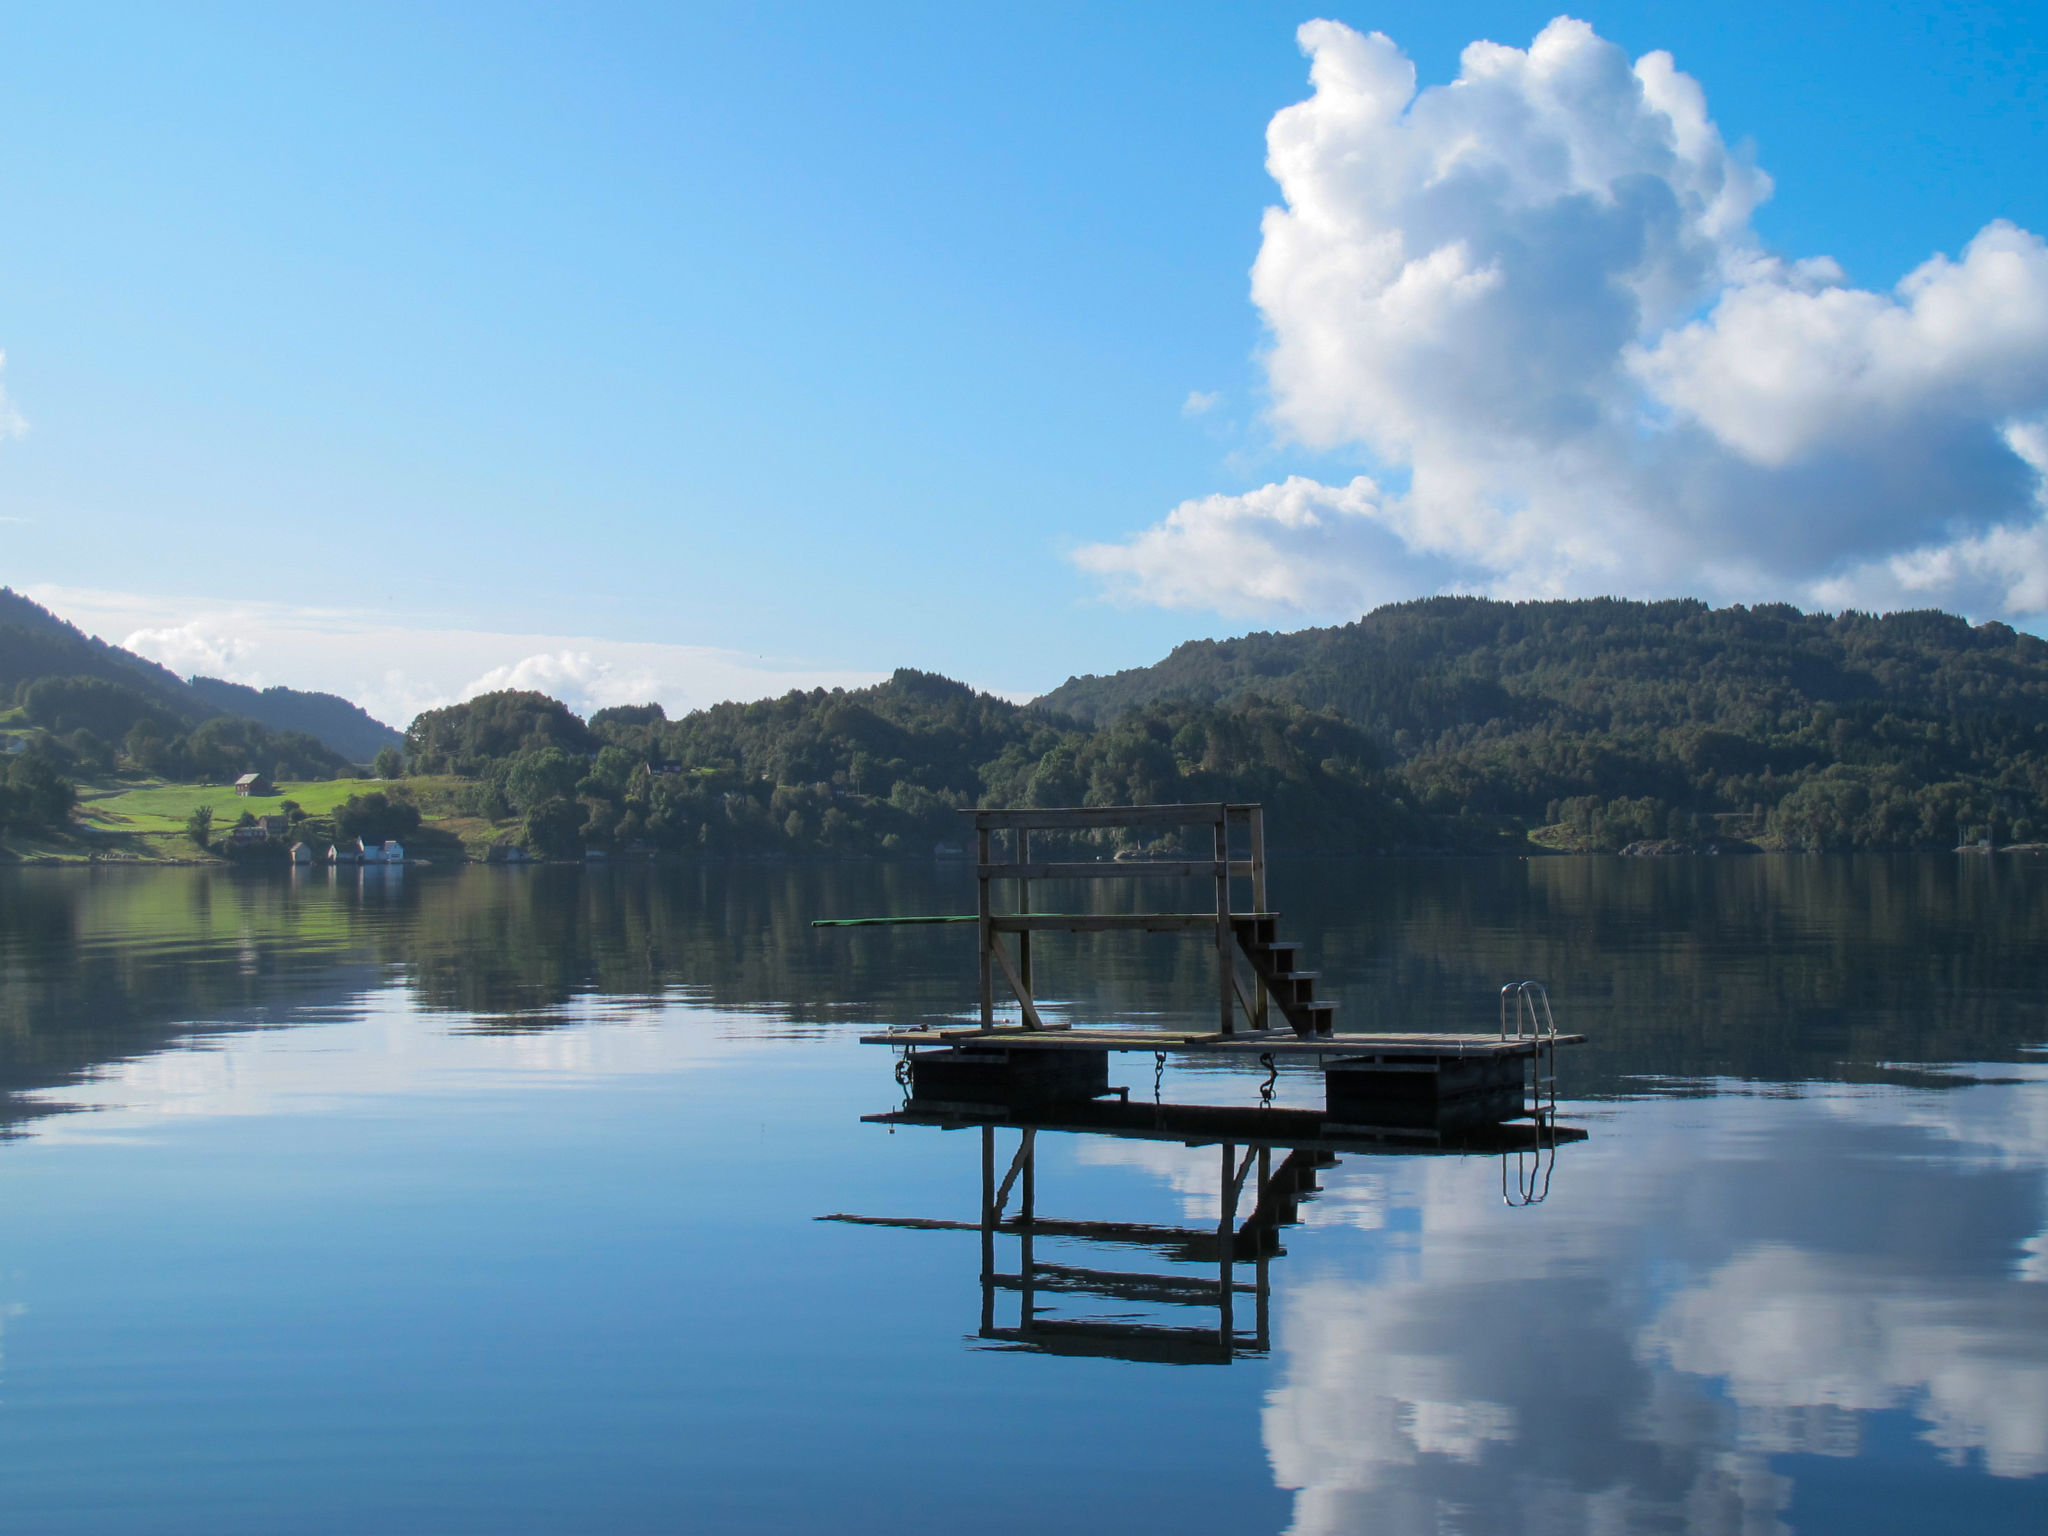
(36,644)
(347,728)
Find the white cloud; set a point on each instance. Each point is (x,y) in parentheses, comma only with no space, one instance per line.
(1200,402)
(196,649)
(394,670)
(579,675)
(1298,545)
(1535,295)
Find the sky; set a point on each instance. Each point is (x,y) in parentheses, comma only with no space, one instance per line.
(702,352)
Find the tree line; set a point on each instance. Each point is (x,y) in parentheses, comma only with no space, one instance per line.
(885,771)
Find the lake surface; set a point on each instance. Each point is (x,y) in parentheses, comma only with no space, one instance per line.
(486,1200)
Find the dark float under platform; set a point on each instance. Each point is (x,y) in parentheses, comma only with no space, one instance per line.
(1374,1084)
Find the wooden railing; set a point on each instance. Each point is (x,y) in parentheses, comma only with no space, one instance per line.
(1020,869)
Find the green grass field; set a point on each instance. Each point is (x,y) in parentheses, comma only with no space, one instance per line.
(145,822)
(164,807)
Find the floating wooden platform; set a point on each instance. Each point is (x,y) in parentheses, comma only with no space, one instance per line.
(1277,1043)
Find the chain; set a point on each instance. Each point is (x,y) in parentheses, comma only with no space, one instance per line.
(1158,1073)
(1272,1077)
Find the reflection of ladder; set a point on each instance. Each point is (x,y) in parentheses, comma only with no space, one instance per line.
(1273,959)
(1525,1015)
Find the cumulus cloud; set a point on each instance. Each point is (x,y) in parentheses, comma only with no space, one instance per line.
(1200,402)
(197,649)
(1298,545)
(1535,300)
(579,679)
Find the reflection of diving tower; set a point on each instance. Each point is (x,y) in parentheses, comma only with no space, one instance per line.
(1267,1163)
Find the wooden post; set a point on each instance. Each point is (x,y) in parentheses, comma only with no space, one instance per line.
(1226,1241)
(1024,906)
(1027,1209)
(988,932)
(1227,992)
(1262,1015)
(988,1228)
(1265,1330)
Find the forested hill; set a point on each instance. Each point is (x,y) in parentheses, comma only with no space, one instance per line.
(1614,717)
(1451,663)
(886,770)
(347,728)
(35,644)
(41,654)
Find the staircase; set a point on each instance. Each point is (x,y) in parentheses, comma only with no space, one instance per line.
(1292,991)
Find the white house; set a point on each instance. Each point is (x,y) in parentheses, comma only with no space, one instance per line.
(382,853)
(301,854)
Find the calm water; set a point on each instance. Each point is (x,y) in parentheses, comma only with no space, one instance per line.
(484,1201)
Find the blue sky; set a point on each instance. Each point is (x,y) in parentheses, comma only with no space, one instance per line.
(814,340)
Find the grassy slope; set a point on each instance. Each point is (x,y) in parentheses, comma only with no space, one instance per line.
(146,821)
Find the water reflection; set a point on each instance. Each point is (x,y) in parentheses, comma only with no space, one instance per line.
(1266,1160)
(1785,969)
(1738,1287)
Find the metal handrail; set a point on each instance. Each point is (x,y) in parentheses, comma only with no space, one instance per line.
(1522,997)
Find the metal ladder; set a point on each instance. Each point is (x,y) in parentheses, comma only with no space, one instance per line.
(1525,1015)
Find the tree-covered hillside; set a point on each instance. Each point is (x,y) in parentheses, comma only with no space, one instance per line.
(885,770)
(344,727)
(1619,720)
(35,644)
(39,652)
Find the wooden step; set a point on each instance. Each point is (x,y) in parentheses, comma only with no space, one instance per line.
(1309,1019)
(1254,931)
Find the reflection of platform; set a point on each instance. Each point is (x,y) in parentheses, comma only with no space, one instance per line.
(1192,1124)
(1306,1141)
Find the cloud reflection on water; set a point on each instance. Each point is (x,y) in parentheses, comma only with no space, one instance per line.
(1715,1283)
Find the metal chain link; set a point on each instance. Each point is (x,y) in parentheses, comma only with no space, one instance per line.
(1272,1077)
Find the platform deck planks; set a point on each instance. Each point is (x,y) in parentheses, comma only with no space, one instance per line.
(1389,1047)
